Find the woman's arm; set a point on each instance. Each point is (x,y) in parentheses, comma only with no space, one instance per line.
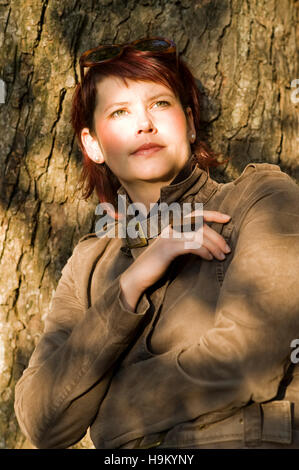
(69,372)
(150,266)
(60,392)
(244,356)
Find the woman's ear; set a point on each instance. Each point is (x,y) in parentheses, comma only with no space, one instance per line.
(91,146)
(190,124)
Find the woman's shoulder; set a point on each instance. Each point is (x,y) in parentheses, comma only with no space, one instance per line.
(258,179)
(257,169)
(261,187)
(91,245)
(86,254)
(267,178)
(88,250)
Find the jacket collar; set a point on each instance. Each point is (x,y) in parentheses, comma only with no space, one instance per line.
(190,181)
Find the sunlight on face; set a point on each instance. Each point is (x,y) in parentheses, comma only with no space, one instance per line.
(144,112)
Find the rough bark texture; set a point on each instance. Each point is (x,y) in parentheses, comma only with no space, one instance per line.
(243,54)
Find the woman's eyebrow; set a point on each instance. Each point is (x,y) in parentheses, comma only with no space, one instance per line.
(121,103)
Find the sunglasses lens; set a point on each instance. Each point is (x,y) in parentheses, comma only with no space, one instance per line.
(103,54)
(152,45)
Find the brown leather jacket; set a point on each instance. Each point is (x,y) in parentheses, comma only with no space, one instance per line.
(200,363)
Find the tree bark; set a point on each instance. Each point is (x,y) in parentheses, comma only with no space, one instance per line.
(244,56)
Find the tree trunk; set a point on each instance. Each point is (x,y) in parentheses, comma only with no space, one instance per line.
(243,53)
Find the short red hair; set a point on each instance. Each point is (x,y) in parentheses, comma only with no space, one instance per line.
(134,65)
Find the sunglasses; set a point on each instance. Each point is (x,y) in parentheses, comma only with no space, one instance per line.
(109,52)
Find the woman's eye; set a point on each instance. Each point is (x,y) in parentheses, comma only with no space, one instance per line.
(118,112)
(162,103)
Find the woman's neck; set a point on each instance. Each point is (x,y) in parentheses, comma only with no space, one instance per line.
(145,193)
(148,193)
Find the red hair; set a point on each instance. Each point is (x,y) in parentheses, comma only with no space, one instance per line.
(134,65)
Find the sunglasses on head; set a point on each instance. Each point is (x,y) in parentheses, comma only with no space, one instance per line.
(109,52)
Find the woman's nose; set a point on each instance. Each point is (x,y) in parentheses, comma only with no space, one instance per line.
(145,124)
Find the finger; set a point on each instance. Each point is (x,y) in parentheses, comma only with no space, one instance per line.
(213,248)
(209,243)
(208,216)
(204,242)
(211,216)
(208,239)
(207,235)
(216,238)
(203,252)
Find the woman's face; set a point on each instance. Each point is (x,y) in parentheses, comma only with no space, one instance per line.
(127,117)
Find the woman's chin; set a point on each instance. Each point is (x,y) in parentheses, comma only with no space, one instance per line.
(155,174)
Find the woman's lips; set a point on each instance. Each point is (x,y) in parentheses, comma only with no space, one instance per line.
(146,152)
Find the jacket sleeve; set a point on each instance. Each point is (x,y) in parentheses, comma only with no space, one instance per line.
(244,356)
(60,392)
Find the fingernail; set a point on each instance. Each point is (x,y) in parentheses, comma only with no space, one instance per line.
(227,249)
(222,256)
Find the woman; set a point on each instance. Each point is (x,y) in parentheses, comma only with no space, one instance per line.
(167,340)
